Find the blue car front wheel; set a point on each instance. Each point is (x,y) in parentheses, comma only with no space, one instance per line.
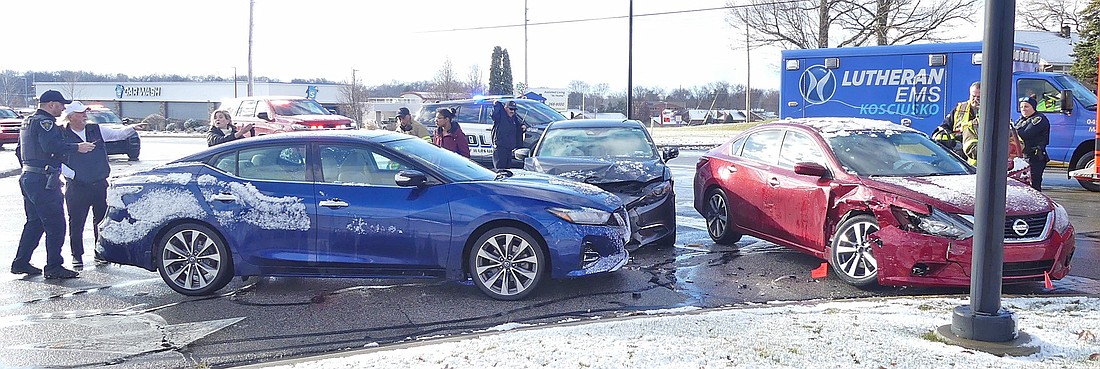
(507,263)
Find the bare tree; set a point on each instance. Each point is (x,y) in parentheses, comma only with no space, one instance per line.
(353,97)
(446,83)
(473,80)
(1050,15)
(581,88)
(839,23)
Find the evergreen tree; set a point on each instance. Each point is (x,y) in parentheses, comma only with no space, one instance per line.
(506,73)
(496,86)
(1084,51)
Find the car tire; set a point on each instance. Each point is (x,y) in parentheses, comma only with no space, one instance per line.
(193,260)
(507,263)
(851,253)
(717,217)
(1087,161)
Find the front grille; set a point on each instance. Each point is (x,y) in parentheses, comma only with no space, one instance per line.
(1037,227)
(1027,268)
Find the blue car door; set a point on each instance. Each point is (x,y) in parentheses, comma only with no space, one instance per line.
(366,221)
(268,210)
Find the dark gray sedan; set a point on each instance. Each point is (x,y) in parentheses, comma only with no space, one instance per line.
(618,156)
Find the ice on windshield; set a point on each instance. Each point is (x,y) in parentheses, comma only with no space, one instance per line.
(606,142)
(898,154)
(298,107)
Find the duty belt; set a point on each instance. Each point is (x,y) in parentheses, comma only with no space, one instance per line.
(47,170)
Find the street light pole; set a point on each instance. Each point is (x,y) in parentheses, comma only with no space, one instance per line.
(234,81)
(630,65)
(251,13)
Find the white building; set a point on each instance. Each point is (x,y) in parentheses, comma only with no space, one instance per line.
(180,100)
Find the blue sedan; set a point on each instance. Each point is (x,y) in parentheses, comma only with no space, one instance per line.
(358,204)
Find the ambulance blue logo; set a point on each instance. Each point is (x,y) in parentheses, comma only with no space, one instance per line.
(817,84)
(118,91)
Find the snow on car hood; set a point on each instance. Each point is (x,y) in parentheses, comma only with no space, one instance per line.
(598,170)
(958,193)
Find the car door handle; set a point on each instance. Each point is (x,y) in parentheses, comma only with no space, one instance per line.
(774,182)
(334,204)
(224,197)
(731,169)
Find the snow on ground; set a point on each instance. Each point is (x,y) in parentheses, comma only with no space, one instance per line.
(881,333)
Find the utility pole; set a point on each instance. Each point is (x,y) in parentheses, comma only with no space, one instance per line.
(251,13)
(630,65)
(526,82)
(234,81)
(748,79)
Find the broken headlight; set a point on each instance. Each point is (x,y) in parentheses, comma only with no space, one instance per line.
(937,223)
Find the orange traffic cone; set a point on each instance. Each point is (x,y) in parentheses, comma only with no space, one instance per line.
(1046,281)
(821,271)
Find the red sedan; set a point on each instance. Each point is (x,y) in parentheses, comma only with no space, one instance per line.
(881,202)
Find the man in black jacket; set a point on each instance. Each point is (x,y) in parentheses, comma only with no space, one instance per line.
(507,133)
(86,175)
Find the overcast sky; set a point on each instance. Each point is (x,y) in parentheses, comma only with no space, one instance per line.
(386,40)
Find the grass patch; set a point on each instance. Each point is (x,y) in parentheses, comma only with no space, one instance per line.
(931,336)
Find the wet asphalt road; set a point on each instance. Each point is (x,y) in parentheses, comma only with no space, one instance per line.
(127,317)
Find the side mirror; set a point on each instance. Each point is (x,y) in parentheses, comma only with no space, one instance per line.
(670,153)
(410,178)
(1067,101)
(521,153)
(263,115)
(810,169)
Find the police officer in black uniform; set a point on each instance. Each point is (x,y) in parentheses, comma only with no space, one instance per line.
(41,150)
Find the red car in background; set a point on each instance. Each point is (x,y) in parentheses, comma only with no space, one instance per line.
(882,203)
(10,121)
(278,114)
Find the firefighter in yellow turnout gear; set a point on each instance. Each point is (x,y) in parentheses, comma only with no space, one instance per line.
(950,132)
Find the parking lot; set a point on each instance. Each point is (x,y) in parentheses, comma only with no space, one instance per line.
(127,316)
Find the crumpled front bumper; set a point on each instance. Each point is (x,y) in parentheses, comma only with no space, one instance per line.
(914,259)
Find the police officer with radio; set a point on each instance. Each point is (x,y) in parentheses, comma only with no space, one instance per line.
(41,151)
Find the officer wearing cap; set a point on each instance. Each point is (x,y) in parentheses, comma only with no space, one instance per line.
(41,150)
(406,125)
(1034,130)
(507,133)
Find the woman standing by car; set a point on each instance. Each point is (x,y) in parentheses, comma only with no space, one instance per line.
(1034,129)
(222,130)
(448,134)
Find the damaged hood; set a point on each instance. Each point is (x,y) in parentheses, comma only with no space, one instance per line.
(625,178)
(957,193)
(598,171)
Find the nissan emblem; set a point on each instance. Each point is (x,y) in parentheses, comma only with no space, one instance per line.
(1020,227)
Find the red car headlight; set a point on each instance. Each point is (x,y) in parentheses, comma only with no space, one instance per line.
(937,223)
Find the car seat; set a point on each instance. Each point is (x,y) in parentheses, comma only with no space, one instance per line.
(353,169)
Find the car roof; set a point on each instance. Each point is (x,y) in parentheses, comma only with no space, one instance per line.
(487,100)
(377,135)
(837,126)
(596,123)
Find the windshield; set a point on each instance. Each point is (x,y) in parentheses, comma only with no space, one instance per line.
(614,142)
(1082,93)
(893,154)
(298,107)
(451,165)
(536,113)
(7,113)
(103,117)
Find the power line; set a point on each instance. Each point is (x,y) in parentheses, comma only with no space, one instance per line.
(612,17)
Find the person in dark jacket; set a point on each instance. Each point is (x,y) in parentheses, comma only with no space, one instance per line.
(448,134)
(507,133)
(41,149)
(1034,129)
(222,130)
(86,175)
